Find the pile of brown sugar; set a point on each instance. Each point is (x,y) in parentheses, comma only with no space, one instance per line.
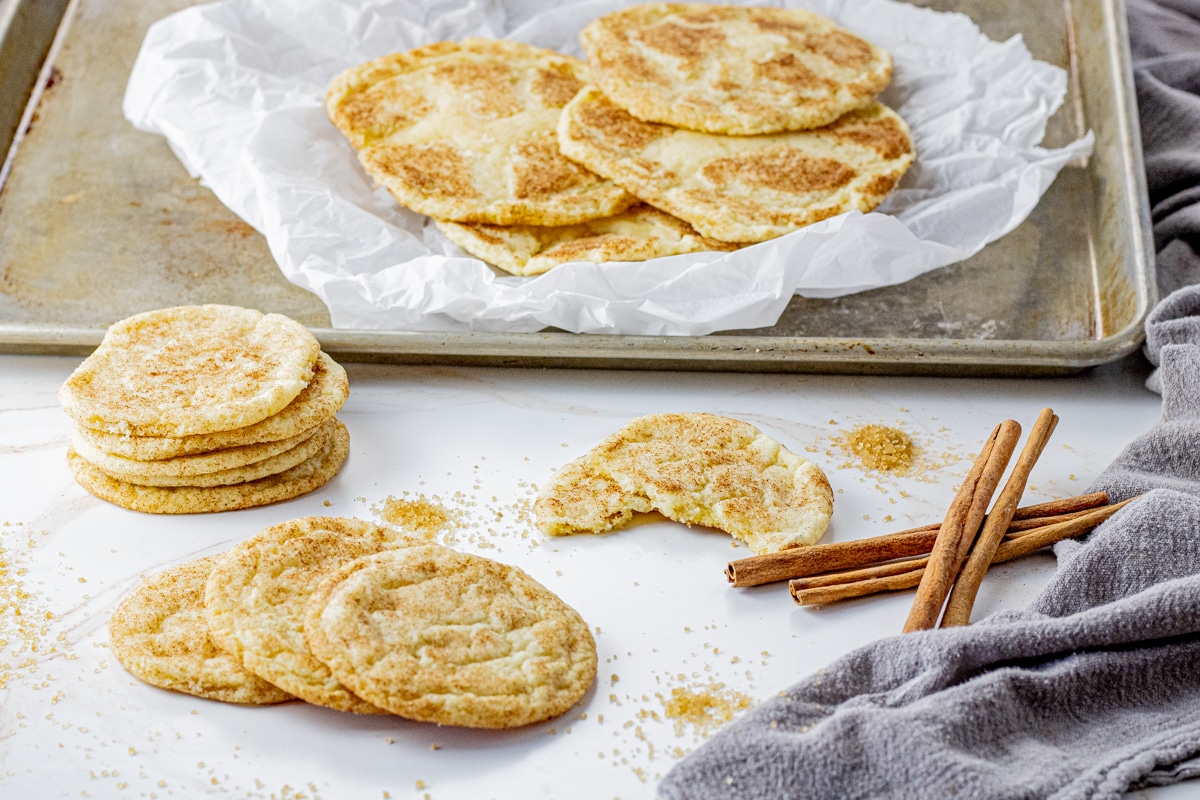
(882,448)
(420,516)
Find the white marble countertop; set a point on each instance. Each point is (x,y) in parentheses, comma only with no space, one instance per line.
(478,442)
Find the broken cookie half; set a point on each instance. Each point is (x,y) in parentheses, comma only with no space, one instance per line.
(700,469)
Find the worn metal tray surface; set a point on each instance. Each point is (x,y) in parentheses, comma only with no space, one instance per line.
(99,221)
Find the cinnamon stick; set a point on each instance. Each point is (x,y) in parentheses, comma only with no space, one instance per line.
(895,567)
(960,526)
(1064,506)
(824,595)
(800,562)
(1018,546)
(856,575)
(1018,525)
(979,558)
(1044,537)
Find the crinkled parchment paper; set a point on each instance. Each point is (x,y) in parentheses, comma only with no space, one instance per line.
(237,87)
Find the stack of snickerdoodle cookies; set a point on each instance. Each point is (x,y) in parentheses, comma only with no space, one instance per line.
(356,617)
(205,408)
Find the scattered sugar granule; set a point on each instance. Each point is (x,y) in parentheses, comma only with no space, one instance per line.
(703,707)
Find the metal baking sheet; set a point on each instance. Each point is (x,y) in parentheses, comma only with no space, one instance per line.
(99,221)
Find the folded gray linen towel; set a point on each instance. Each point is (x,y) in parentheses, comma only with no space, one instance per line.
(1092,691)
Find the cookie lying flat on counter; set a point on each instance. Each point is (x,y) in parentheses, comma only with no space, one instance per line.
(741,188)
(732,69)
(435,635)
(700,469)
(464,131)
(356,617)
(255,596)
(638,234)
(159,635)
(196,409)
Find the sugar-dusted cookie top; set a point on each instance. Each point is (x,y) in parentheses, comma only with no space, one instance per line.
(190,370)
(440,636)
(256,594)
(701,469)
(732,69)
(464,131)
(317,402)
(741,188)
(159,635)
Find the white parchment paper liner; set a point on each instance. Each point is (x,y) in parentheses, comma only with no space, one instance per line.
(237,87)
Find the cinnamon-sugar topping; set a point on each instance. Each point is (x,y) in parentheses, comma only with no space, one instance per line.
(540,169)
(436,169)
(617,126)
(883,134)
(781,168)
(555,86)
(688,43)
(487,88)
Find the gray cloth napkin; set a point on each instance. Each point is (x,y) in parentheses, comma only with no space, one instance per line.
(1092,691)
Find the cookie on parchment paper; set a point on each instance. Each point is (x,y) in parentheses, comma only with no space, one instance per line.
(303,478)
(732,69)
(465,131)
(317,402)
(641,233)
(255,599)
(741,188)
(440,636)
(159,635)
(190,370)
(700,469)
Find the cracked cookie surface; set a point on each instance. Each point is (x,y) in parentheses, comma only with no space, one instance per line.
(158,633)
(440,636)
(255,598)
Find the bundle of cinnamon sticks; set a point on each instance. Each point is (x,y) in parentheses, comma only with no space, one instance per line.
(945,561)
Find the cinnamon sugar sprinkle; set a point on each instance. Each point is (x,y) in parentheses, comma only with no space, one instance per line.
(462,519)
(25,618)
